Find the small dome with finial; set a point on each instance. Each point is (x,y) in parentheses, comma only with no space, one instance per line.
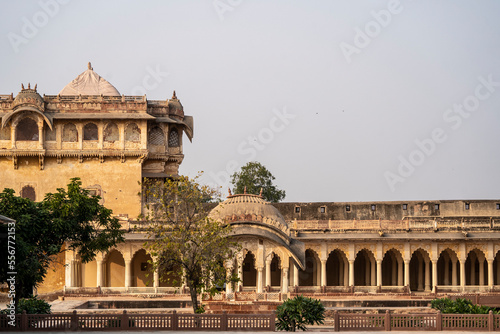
(175,107)
(29,97)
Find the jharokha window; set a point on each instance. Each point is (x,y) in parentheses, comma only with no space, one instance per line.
(132,133)
(90,132)
(70,134)
(111,133)
(28,192)
(27,129)
(156,136)
(173,138)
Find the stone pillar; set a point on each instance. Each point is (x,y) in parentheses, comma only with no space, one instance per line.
(240,275)
(156,279)
(420,274)
(69,273)
(427,275)
(351,272)
(284,283)
(400,273)
(407,272)
(229,285)
(268,273)
(259,279)
(498,271)
(341,272)
(379,273)
(490,273)
(99,264)
(323,272)
(434,274)
(296,275)
(128,274)
(462,274)
(447,272)
(345,265)
(454,272)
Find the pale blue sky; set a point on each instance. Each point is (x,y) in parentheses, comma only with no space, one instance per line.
(236,64)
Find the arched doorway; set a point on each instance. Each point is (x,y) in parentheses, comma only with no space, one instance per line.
(276,271)
(115,269)
(448,268)
(337,269)
(476,268)
(420,271)
(142,273)
(392,268)
(496,269)
(309,276)
(249,271)
(364,269)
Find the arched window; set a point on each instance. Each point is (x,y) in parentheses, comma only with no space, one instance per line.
(156,136)
(70,134)
(27,129)
(5,133)
(28,192)
(132,133)
(90,132)
(111,133)
(173,138)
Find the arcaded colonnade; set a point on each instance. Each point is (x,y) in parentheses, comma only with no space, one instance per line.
(263,265)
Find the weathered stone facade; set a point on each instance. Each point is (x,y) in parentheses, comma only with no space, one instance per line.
(112,141)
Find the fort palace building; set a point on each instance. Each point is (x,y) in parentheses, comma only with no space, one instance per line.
(113,141)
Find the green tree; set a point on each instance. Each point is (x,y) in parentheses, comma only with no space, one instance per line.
(298,312)
(254,177)
(43,228)
(183,240)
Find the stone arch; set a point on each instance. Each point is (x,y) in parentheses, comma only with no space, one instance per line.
(365,269)
(27,130)
(142,273)
(310,276)
(496,269)
(111,133)
(173,138)
(156,136)
(420,271)
(90,132)
(276,270)
(115,269)
(476,268)
(249,271)
(132,133)
(448,272)
(337,268)
(393,268)
(29,192)
(70,133)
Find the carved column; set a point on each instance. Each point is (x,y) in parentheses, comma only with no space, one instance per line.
(400,273)
(351,272)
(434,274)
(240,274)
(268,273)
(128,273)
(296,275)
(481,271)
(99,264)
(454,272)
(427,275)
(407,272)
(229,287)
(490,273)
(345,265)
(462,274)
(284,283)
(259,279)
(379,273)
(323,272)
(156,279)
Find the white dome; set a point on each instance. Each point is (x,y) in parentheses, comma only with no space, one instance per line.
(89,83)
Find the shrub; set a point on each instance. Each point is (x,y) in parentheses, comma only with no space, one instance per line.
(297,312)
(33,305)
(459,306)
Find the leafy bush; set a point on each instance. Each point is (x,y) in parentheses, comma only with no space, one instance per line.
(297,312)
(459,306)
(33,305)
